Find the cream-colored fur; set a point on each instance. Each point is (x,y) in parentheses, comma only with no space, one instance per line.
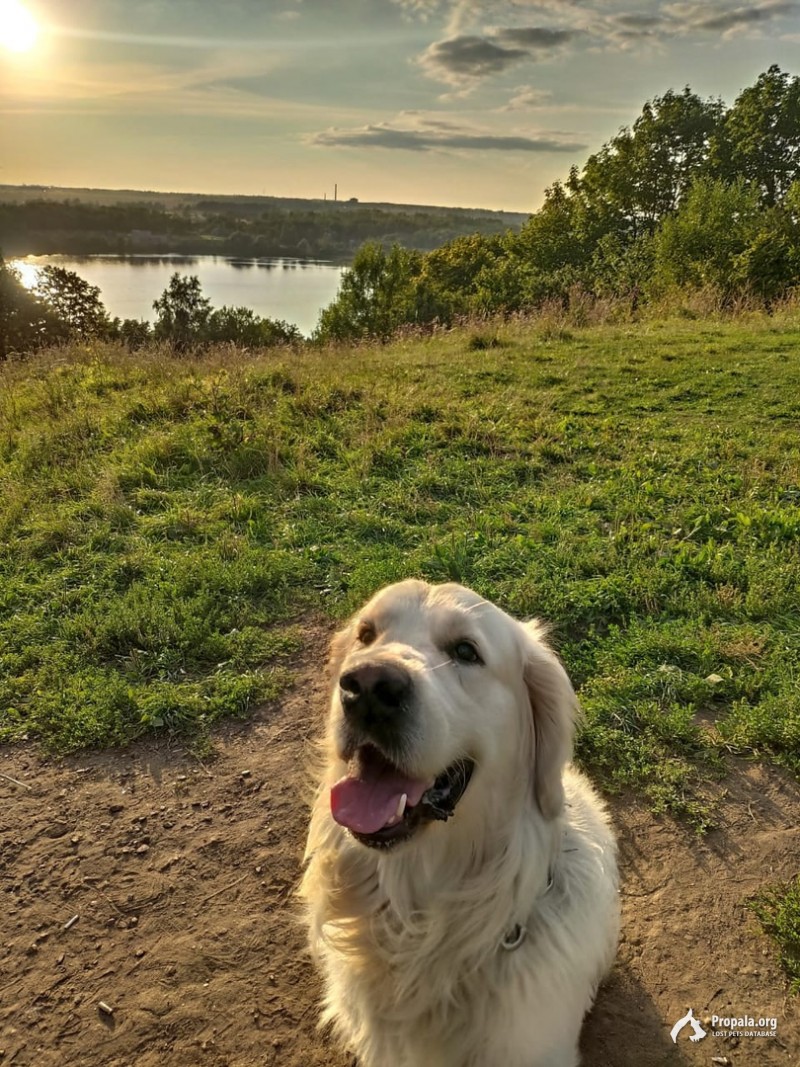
(410,940)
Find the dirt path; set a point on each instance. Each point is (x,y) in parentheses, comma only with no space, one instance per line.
(181,877)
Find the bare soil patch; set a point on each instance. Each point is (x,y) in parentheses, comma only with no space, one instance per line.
(181,876)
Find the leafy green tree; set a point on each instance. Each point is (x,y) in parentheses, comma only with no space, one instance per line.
(623,268)
(182,312)
(237,325)
(508,284)
(760,137)
(556,243)
(701,244)
(134,333)
(644,172)
(73,300)
(458,278)
(770,264)
(241,326)
(375,298)
(279,332)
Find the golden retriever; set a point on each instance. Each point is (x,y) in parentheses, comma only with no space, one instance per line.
(461,881)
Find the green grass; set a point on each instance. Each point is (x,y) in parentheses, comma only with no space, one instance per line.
(167,524)
(778,911)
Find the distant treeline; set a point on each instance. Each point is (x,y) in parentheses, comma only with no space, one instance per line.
(694,197)
(225,226)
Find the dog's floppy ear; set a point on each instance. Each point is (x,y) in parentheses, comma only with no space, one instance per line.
(555,708)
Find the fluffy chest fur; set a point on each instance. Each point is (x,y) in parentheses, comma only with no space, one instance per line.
(411,945)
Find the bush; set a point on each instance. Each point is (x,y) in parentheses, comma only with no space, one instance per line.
(134,333)
(187,319)
(241,326)
(701,244)
(375,298)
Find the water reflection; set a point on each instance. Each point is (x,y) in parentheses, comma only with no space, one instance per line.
(291,289)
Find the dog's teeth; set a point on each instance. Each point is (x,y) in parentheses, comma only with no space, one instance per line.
(401,806)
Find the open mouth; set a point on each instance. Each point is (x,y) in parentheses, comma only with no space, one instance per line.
(381,805)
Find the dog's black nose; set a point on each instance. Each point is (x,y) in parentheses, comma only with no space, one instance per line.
(374,692)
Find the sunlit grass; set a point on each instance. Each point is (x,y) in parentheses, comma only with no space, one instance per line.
(778,910)
(167,524)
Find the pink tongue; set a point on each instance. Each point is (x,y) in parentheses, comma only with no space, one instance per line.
(367,804)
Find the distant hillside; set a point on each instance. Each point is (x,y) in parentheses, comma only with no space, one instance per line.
(40,220)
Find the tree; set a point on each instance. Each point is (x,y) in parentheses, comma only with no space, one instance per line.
(375,297)
(459,278)
(134,333)
(644,172)
(760,137)
(25,322)
(701,243)
(182,312)
(770,264)
(623,268)
(74,301)
(236,325)
(241,326)
(556,243)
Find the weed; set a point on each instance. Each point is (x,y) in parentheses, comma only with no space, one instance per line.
(778,910)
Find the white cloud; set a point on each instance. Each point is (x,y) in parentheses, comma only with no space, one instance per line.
(416,132)
(526,98)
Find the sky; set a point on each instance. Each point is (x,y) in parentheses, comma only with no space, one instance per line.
(453,102)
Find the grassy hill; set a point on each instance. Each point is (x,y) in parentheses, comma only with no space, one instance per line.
(168,525)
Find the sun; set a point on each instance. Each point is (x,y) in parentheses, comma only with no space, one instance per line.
(18,28)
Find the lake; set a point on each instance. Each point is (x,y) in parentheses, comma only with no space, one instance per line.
(294,290)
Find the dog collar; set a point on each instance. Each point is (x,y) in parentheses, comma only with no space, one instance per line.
(517,934)
(514,938)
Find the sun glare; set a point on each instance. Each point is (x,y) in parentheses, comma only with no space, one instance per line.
(18,29)
(28,273)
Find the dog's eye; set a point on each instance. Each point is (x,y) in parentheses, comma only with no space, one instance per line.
(366,633)
(466,652)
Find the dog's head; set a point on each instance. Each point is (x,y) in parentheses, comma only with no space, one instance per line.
(437,692)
